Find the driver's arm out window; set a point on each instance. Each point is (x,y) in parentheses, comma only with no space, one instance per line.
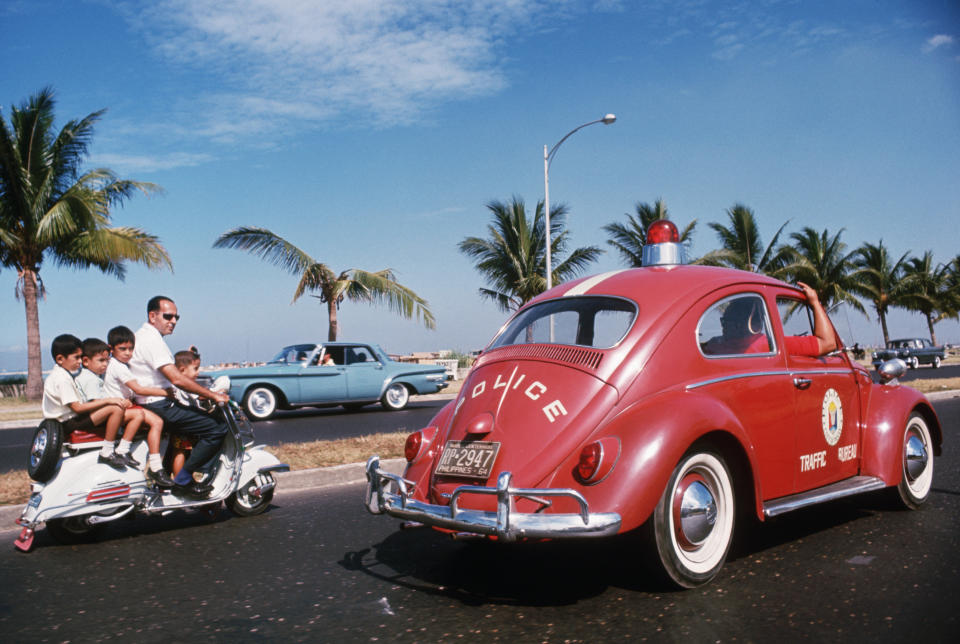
(797,320)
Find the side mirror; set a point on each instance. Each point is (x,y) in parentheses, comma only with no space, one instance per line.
(890,370)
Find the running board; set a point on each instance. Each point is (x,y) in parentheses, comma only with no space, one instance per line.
(840,489)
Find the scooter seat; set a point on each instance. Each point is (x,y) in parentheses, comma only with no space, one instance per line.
(80,436)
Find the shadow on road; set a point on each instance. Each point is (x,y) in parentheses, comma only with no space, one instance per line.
(560,573)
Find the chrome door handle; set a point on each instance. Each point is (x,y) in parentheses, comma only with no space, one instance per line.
(801,383)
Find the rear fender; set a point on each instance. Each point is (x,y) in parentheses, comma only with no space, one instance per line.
(654,438)
(889,408)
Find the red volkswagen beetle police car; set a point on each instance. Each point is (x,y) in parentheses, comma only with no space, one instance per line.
(631,399)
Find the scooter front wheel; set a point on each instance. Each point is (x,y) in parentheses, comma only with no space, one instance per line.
(73,530)
(252,499)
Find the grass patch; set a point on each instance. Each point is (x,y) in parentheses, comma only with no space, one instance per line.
(929,385)
(14,487)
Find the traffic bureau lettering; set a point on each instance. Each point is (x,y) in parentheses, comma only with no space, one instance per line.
(847,452)
(534,391)
(813,461)
(831,417)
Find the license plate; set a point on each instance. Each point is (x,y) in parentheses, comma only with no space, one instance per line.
(470,459)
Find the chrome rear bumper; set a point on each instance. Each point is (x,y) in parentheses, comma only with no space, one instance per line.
(505,524)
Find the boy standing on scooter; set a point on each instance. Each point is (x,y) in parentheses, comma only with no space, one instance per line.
(62,400)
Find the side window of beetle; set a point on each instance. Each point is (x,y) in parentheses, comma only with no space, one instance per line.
(795,316)
(735,326)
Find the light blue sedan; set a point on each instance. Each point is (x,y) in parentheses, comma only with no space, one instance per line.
(351,374)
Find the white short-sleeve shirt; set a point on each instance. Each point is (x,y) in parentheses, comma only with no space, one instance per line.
(59,390)
(114,382)
(90,385)
(149,354)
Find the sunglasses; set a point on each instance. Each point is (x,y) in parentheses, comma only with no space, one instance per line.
(170,316)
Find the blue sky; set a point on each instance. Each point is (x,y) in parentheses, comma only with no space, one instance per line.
(373,133)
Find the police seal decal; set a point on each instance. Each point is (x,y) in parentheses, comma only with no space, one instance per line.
(832,417)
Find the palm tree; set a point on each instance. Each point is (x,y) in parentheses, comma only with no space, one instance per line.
(741,246)
(356,285)
(820,260)
(878,279)
(629,238)
(50,210)
(929,291)
(513,258)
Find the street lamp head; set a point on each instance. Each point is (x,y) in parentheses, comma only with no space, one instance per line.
(608,119)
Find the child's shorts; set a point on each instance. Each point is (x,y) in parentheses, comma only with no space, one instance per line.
(79,423)
(179,442)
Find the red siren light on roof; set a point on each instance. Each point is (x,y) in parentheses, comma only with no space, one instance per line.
(663,230)
(663,247)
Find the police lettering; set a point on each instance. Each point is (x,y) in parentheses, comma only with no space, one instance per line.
(533,391)
(813,461)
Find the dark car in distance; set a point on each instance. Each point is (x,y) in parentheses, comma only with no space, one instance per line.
(913,351)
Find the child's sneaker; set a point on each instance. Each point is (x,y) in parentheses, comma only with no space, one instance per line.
(114,461)
(129,460)
(160,477)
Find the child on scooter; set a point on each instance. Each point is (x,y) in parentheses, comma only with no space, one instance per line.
(63,401)
(187,363)
(96,357)
(119,381)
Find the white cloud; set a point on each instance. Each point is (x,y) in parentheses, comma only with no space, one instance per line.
(935,42)
(387,61)
(123,164)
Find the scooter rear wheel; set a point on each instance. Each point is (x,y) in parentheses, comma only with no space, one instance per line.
(73,530)
(45,450)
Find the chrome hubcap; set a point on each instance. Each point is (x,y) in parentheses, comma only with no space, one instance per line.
(396,395)
(698,513)
(915,457)
(261,402)
(38,447)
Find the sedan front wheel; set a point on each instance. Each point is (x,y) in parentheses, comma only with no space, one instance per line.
(260,403)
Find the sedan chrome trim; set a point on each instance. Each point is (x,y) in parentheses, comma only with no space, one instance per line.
(506,523)
(780,372)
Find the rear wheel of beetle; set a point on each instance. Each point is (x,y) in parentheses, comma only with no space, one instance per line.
(693,522)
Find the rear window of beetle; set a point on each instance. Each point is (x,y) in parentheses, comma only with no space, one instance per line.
(589,321)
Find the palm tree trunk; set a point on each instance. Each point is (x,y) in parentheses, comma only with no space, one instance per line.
(34,363)
(883,325)
(933,335)
(334,326)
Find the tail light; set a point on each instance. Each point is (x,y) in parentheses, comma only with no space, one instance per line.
(418,443)
(412,447)
(597,459)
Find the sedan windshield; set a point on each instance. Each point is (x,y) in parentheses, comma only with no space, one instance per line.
(294,353)
(599,322)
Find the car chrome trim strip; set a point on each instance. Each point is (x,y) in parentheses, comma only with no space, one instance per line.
(506,523)
(589,283)
(838,490)
(779,372)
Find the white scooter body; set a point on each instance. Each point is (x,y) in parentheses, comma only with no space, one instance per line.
(84,493)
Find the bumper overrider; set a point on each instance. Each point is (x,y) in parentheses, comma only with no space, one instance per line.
(506,524)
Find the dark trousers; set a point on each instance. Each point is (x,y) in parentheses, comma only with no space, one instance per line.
(204,432)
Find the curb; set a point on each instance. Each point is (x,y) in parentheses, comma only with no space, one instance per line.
(316,478)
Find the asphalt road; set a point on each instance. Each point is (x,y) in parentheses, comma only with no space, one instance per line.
(287,427)
(316,567)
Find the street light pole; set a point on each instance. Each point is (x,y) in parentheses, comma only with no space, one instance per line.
(547,159)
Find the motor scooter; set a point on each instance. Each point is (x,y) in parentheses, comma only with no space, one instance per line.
(75,496)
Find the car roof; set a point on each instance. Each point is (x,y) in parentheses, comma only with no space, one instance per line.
(660,287)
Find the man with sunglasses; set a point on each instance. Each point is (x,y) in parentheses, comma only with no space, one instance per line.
(152,365)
